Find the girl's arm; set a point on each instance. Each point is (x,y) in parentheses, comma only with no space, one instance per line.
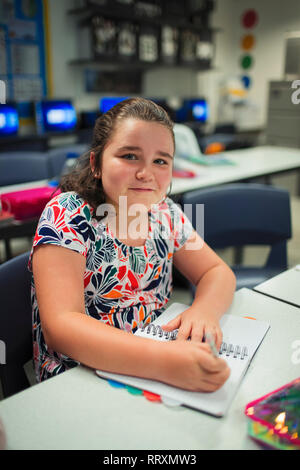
(58,275)
(215,285)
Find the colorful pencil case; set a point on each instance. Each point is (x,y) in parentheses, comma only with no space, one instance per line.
(27,203)
(274,419)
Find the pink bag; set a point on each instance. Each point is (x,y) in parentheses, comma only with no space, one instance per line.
(28,203)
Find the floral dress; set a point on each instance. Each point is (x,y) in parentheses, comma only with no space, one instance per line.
(124,286)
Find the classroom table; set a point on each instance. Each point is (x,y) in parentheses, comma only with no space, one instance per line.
(250,163)
(78,410)
(21,186)
(285,286)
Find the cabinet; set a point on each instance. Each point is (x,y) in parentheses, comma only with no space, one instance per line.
(132,34)
(283,116)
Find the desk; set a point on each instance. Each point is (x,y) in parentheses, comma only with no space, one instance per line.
(78,410)
(19,187)
(249,163)
(284,287)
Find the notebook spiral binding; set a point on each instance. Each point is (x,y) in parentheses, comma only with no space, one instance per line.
(237,352)
(226,349)
(157,330)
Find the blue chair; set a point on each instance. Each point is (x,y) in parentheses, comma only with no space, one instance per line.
(57,157)
(15,324)
(23,167)
(26,166)
(238,215)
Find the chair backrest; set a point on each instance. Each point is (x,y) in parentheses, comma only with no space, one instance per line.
(15,324)
(245,214)
(22,167)
(57,157)
(186,143)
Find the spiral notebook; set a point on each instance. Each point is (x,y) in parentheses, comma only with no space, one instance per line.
(241,338)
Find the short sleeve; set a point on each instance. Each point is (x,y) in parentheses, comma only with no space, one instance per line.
(181,225)
(65,222)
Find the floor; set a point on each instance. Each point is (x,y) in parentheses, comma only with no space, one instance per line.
(252,256)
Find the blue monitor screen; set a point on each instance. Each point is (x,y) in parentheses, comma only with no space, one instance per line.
(55,116)
(9,120)
(197,109)
(108,102)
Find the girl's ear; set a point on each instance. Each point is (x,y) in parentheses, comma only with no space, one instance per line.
(93,164)
(92,161)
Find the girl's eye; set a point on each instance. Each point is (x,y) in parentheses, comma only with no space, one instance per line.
(160,161)
(129,156)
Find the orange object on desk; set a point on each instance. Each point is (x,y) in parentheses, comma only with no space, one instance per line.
(214,147)
(27,203)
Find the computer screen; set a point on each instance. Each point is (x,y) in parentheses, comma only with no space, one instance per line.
(192,109)
(9,120)
(55,116)
(108,102)
(196,109)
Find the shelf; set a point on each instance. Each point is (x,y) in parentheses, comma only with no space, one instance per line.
(131,16)
(118,64)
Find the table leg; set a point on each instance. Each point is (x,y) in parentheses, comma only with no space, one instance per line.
(238,255)
(8,252)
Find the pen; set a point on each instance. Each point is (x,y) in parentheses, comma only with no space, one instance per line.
(210,340)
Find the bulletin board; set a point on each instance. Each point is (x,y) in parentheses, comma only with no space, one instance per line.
(22,52)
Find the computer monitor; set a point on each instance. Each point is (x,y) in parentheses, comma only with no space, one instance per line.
(56,116)
(192,110)
(9,120)
(196,109)
(108,102)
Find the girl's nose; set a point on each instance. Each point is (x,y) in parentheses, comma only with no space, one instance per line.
(144,172)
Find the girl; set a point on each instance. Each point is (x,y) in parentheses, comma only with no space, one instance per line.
(94,259)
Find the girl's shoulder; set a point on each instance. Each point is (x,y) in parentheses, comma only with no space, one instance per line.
(70,202)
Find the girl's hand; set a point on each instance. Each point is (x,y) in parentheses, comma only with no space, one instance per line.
(192,366)
(195,325)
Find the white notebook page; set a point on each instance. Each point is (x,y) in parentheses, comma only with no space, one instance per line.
(237,331)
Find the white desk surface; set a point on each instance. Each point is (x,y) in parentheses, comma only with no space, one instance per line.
(249,163)
(21,186)
(284,286)
(78,410)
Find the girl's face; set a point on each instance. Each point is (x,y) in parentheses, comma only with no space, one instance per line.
(137,163)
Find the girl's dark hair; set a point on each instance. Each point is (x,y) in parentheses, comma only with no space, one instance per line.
(81,179)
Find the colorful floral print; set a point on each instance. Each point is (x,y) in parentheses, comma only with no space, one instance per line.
(124,286)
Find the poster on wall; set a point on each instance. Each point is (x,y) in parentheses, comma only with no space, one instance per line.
(22,52)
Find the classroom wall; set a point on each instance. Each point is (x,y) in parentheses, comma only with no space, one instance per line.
(275,18)
(68,80)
